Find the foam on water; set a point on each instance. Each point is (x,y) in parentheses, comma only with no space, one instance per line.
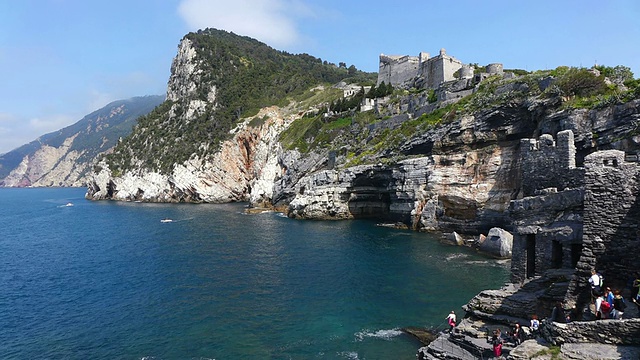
(380,334)
(457,256)
(349,355)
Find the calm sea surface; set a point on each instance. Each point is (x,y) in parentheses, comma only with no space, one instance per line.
(108,280)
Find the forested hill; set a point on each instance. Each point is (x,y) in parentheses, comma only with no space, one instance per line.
(217,78)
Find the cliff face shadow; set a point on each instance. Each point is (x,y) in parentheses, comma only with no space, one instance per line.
(370,196)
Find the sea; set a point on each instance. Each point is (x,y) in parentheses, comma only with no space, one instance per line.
(84,279)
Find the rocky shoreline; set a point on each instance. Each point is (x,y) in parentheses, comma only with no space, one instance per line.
(501,309)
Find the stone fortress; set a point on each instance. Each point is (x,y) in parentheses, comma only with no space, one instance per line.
(425,72)
(575,218)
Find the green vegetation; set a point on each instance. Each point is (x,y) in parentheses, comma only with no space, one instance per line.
(384,143)
(247,75)
(554,351)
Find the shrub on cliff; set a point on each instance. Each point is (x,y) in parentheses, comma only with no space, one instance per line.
(581,82)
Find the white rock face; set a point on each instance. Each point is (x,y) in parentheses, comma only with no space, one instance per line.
(184,72)
(50,166)
(244,168)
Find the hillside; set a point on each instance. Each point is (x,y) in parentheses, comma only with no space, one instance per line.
(64,157)
(217,79)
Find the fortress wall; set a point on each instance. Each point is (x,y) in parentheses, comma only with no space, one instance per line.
(611,222)
(396,70)
(545,165)
(547,220)
(439,69)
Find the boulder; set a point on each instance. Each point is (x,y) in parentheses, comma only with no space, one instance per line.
(454,239)
(498,242)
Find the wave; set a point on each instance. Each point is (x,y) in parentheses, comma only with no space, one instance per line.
(380,334)
(456,256)
(349,355)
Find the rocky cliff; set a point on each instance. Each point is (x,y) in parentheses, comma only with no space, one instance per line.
(449,166)
(65,157)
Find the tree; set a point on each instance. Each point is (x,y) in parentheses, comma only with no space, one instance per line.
(352,70)
(381,90)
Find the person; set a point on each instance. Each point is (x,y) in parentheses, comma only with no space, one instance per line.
(535,325)
(496,342)
(518,335)
(451,319)
(596,283)
(557,314)
(609,296)
(603,309)
(598,304)
(635,287)
(618,305)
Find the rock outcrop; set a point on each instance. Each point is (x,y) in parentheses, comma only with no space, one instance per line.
(242,170)
(498,243)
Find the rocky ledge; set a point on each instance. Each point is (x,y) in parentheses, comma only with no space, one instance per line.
(502,309)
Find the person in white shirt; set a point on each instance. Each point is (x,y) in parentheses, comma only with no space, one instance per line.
(451,319)
(596,283)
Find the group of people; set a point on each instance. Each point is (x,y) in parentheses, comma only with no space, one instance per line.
(516,336)
(608,305)
(611,304)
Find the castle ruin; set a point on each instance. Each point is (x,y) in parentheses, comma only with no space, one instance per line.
(573,219)
(425,72)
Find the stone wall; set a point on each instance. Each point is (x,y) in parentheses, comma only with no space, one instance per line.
(615,332)
(431,72)
(548,220)
(439,69)
(396,70)
(546,164)
(547,233)
(611,223)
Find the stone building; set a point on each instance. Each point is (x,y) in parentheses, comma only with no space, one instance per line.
(397,70)
(438,69)
(547,219)
(405,70)
(611,223)
(575,218)
(425,72)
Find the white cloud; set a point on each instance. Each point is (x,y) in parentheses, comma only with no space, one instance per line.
(97,100)
(270,21)
(44,125)
(16,132)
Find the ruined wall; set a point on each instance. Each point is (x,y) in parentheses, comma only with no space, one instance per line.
(602,331)
(547,233)
(396,70)
(547,222)
(611,222)
(547,165)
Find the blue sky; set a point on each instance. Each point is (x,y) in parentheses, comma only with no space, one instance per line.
(62,59)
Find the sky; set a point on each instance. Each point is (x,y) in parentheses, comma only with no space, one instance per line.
(63,59)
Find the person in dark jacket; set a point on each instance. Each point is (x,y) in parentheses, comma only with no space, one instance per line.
(618,305)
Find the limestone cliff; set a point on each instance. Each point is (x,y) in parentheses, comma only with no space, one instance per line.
(65,157)
(245,167)
(452,165)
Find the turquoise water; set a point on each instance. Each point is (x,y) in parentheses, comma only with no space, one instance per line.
(108,280)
